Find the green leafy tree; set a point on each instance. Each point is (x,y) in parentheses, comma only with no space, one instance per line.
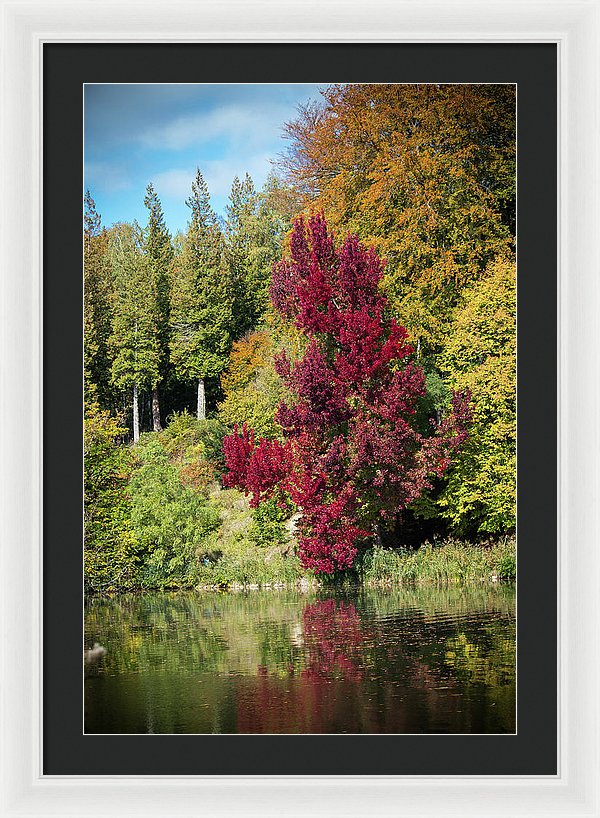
(201,300)
(159,254)
(96,307)
(109,544)
(135,339)
(480,355)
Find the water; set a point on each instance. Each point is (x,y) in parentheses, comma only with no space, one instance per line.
(398,661)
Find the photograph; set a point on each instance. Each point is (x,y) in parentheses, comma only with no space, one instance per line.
(299,379)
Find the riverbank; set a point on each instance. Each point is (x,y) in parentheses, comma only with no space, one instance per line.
(440,563)
(242,561)
(166,523)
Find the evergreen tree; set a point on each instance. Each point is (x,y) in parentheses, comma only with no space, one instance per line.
(159,253)
(96,307)
(201,308)
(135,335)
(254,237)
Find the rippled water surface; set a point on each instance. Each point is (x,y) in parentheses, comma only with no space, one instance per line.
(398,661)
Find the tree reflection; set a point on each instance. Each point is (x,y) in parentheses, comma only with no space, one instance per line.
(401,661)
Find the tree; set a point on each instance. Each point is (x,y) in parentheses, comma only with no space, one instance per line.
(96,307)
(201,309)
(351,457)
(159,252)
(480,355)
(251,385)
(134,341)
(426,173)
(253,236)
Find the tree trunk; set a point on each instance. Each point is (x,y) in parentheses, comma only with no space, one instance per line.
(136,415)
(201,400)
(156,411)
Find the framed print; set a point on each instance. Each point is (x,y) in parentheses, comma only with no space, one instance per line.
(522,739)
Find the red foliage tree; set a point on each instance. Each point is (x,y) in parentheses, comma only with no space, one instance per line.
(352,457)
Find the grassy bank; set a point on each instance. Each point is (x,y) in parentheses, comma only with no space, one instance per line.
(441,563)
(244,564)
(242,557)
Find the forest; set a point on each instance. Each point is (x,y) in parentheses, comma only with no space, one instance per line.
(320,386)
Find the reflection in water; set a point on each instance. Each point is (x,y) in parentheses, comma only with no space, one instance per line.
(402,661)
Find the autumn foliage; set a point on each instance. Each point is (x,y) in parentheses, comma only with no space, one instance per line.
(426,173)
(351,458)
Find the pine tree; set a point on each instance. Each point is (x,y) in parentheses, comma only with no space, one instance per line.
(159,253)
(254,237)
(201,309)
(97,310)
(134,340)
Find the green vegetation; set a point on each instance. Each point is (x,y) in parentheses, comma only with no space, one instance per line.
(201,307)
(109,547)
(170,521)
(444,562)
(480,355)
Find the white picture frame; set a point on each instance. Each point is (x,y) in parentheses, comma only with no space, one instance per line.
(575,26)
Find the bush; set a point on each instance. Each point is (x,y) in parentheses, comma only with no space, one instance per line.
(188,440)
(268,523)
(109,544)
(171,522)
(506,567)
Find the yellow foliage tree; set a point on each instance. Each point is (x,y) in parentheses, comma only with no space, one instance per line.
(426,173)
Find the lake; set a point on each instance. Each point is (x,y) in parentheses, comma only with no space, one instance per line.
(412,660)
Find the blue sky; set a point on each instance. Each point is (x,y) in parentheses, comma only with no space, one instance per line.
(135,134)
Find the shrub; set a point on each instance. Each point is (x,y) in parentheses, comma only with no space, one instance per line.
(109,544)
(188,440)
(171,521)
(268,523)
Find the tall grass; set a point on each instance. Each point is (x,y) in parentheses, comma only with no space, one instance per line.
(441,563)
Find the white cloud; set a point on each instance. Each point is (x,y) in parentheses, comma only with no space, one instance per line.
(107,176)
(237,124)
(175,184)
(218,173)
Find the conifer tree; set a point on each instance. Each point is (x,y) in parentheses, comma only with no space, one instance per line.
(254,236)
(159,253)
(134,340)
(97,312)
(201,310)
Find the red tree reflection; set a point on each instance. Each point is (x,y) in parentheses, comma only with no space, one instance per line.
(317,699)
(333,637)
